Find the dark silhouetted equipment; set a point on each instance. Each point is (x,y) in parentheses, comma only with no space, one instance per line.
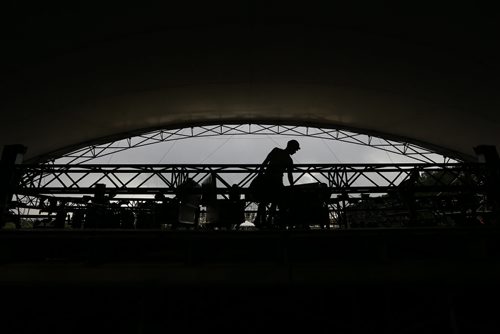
(189,196)
(11,155)
(305,205)
(226,212)
(97,210)
(348,196)
(166,211)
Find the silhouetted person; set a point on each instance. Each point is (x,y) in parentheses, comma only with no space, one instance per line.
(277,162)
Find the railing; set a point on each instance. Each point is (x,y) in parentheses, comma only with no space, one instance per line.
(76,179)
(357,194)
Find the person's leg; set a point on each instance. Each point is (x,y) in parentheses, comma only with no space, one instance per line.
(278,207)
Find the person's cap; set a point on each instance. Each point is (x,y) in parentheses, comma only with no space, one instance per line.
(293,144)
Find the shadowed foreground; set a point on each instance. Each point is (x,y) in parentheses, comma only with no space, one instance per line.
(358,281)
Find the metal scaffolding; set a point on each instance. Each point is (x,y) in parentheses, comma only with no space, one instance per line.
(401,147)
(148,179)
(352,194)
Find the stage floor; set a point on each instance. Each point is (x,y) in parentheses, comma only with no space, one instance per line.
(321,257)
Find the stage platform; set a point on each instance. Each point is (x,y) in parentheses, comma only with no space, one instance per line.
(318,257)
(429,280)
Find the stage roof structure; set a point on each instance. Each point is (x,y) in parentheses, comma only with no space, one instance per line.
(78,75)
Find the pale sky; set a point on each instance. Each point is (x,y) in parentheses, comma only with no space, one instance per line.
(249,149)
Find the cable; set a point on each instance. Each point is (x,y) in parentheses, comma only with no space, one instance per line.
(269,137)
(168,151)
(389,156)
(330,149)
(110,157)
(213,152)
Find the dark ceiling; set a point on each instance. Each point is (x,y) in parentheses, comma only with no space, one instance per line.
(68,61)
(34,32)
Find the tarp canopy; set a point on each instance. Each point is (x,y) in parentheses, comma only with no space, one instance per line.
(74,76)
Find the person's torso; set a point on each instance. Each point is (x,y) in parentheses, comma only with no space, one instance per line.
(279,162)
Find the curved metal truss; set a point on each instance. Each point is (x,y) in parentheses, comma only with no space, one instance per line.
(412,151)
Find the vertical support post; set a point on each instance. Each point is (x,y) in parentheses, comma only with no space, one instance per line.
(343,198)
(488,155)
(11,155)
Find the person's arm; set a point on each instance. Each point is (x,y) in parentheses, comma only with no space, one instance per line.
(290,176)
(265,162)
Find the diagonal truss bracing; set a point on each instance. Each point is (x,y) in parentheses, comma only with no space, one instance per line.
(141,179)
(358,191)
(415,152)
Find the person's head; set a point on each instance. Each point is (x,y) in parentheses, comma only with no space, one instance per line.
(292,146)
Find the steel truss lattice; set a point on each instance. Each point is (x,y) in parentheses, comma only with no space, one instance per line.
(412,151)
(140,179)
(349,186)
